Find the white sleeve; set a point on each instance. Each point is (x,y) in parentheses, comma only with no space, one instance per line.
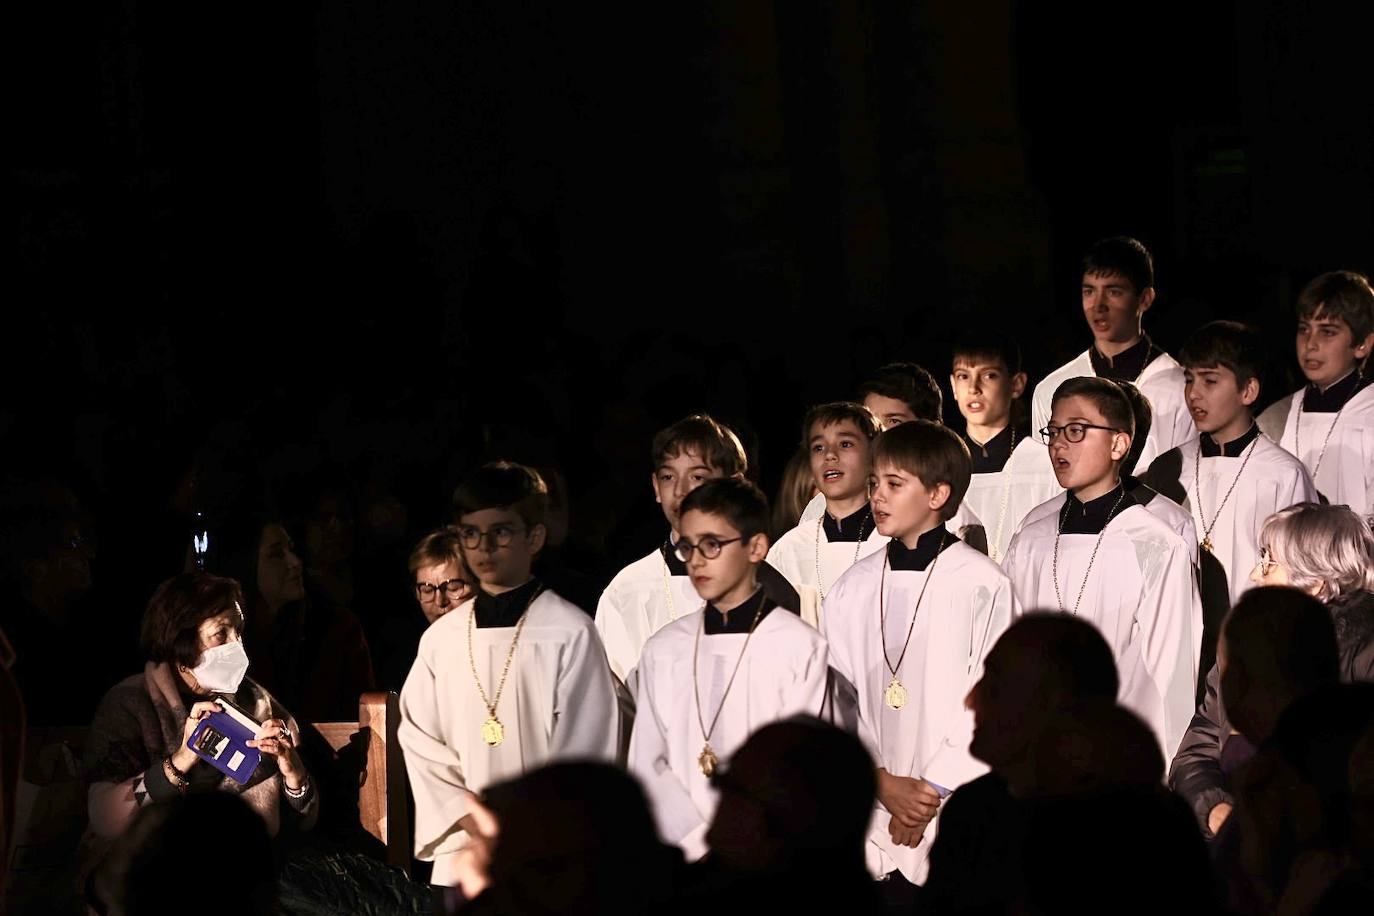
(586,712)
(679,820)
(1159,667)
(621,652)
(434,769)
(1040,407)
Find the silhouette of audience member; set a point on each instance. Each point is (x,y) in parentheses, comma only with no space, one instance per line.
(568,838)
(312,656)
(206,853)
(1303,809)
(790,829)
(1265,677)
(1042,665)
(12,724)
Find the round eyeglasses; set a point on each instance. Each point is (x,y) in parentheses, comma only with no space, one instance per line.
(453,588)
(498,535)
(709,546)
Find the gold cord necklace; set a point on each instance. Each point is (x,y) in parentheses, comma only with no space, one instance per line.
(493,732)
(820,536)
(895,694)
(1297,437)
(707,759)
(1197,490)
(993,552)
(668,591)
(1054,565)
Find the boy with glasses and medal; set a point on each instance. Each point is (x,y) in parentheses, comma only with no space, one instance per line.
(513,678)
(709,679)
(908,628)
(1096,553)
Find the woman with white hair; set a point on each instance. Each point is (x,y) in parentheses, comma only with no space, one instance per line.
(1328,552)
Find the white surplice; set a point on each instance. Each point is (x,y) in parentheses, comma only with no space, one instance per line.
(781,673)
(642,599)
(1346,474)
(559,702)
(1003,499)
(1140,592)
(1273,480)
(796,556)
(1161,382)
(966,607)
(964,524)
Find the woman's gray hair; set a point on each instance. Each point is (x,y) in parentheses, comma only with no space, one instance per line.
(1326,546)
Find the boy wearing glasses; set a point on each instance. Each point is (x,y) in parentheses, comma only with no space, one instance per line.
(838,442)
(1096,553)
(710,678)
(908,628)
(505,682)
(1118,288)
(1330,424)
(656,590)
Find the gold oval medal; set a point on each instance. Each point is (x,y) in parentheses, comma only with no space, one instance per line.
(895,694)
(492,732)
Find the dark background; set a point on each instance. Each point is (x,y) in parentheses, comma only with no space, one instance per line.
(265,249)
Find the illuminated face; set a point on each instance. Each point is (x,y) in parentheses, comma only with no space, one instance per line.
(1090,461)
(839,456)
(731,571)
(903,506)
(1215,399)
(1328,350)
(444,591)
(984,390)
(280,572)
(889,411)
(225,627)
(504,549)
(1113,307)
(677,476)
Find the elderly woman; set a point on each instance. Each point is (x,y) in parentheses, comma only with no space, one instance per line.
(1328,552)
(136,752)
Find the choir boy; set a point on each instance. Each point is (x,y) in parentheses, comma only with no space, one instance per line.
(908,628)
(709,679)
(1330,423)
(838,442)
(1118,288)
(1101,556)
(507,681)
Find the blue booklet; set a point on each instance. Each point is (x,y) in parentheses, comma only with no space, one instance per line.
(221,740)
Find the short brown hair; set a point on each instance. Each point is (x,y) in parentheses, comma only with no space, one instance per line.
(1105,394)
(715,442)
(1341,294)
(437,548)
(504,485)
(172,620)
(932,452)
(838,412)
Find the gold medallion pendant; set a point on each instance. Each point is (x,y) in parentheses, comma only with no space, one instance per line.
(895,695)
(493,732)
(708,761)
(1206,544)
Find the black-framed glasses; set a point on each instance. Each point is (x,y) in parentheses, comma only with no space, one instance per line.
(454,588)
(499,535)
(709,546)
(1073,432)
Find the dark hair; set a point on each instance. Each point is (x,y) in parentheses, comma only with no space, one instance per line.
(1078,664)
(504,485)
(1142,413)
(171,622)
(437,548)
(838,412)
(1341,294)
(715,442)
(909,383)
(737,501)
(988,345)
(932,452)
(1121,255)
(1226,344)
(1107,396)
(1284,638)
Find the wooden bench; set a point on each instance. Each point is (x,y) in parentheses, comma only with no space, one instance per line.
(52,800)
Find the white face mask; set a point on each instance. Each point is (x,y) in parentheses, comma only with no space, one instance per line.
(222,668)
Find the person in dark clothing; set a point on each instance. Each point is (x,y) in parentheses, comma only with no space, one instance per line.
(1042,664)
